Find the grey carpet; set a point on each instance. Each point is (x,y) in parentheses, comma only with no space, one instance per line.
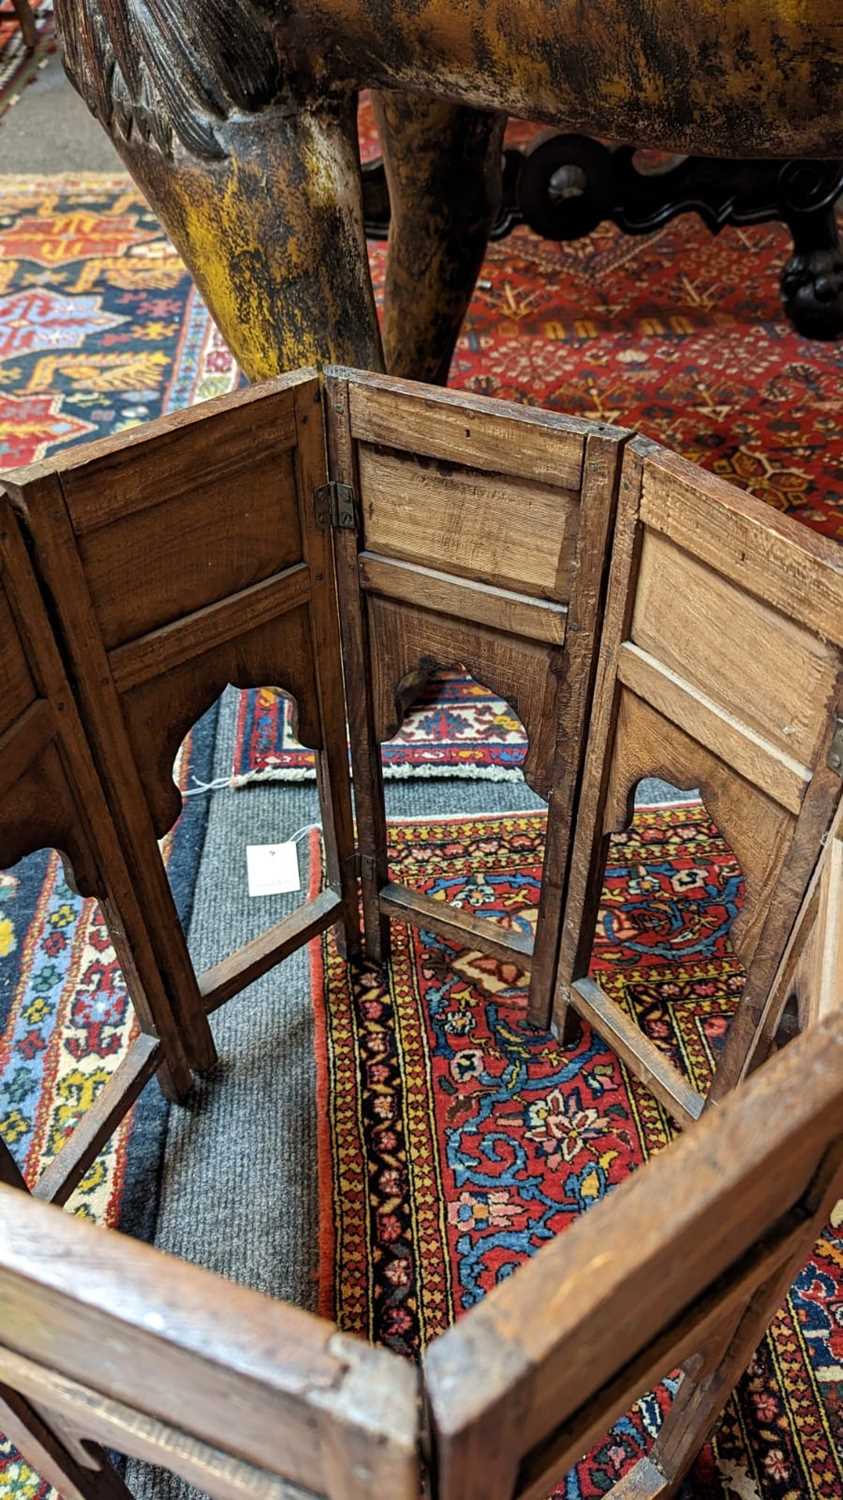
(239,1191)
(239,1181)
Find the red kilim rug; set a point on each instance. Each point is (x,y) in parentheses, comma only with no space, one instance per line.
(456,1141)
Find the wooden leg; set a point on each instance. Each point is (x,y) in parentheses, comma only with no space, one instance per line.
(443,166)
(26,19)
(273,234)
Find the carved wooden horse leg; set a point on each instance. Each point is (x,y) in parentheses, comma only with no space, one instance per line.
(272,231)
(443,166)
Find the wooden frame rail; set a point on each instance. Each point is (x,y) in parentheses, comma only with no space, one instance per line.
(477,537)
(682,1266)
(747,713)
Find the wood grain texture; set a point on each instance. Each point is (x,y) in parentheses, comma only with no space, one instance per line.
(794,570)
(238,588)
(572,707)
(647,1062)
(56,799)
(180,1346)
(462,522)
(462,927)
(771,673)
(748,721)
(472,431)
(410,642)
(483,604)
(760,762)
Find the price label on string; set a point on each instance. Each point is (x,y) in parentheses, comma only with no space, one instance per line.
(272,869)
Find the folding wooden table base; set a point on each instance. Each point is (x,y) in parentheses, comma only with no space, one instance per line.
(642,618)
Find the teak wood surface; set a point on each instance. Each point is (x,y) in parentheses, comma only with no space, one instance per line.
(104,1340)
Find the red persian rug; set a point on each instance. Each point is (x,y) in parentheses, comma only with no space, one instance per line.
(457,728)
(456,1140)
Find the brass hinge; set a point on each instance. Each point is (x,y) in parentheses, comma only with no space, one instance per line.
(336,506)
(835,750)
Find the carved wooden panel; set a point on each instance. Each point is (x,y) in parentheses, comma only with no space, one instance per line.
(720,669)
(180,560)
(482,530)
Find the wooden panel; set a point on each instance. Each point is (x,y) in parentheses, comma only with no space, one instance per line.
(517,614)
(469,430)
(515,533)
(172,645)
(410,642)
(210,541)
(159,712)
(762,763)
(160,460)
(183,1346)
(17,688)
(772,674)
(756,828)
(771,556)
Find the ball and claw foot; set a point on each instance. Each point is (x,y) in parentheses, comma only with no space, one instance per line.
(812,291)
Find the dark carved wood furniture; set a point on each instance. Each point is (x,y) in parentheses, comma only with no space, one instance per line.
(563,186)
(238,120)
(106,1341)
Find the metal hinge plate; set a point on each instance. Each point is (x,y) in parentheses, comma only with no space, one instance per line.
(368,868)
(835,750)
(336,506)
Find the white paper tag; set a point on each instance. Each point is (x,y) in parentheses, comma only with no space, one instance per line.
(272,869)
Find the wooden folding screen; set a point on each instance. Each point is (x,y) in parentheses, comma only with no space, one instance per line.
(203,549)
(720,669)
(683,1265)
(50,796)
(474,533)
(182,557)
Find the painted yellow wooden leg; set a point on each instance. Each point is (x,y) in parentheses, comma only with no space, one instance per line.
(443,165)
(273,233)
